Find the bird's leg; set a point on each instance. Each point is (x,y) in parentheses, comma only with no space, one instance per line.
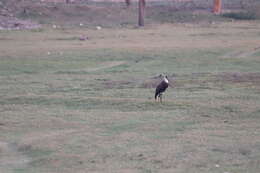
(160,98)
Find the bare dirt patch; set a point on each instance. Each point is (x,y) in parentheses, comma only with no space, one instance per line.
(237,77)
(12,23)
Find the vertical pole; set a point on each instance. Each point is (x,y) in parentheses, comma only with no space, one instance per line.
(141,12)
(217,6)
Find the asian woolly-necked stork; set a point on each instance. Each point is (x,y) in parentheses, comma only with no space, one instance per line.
(161,88)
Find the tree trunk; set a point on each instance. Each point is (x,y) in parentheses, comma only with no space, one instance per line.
(217,6)
(141,12)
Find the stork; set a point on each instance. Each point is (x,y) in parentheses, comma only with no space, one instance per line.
(161,88)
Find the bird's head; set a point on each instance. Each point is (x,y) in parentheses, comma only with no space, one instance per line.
(165,78)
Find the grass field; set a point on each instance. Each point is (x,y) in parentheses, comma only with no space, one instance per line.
(68,105)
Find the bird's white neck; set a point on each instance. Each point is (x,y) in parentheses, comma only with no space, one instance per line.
(165,80)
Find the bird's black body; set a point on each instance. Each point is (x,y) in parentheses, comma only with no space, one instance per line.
(161,88)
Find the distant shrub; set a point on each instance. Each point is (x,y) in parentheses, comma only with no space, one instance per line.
(249,10)
(241,15)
